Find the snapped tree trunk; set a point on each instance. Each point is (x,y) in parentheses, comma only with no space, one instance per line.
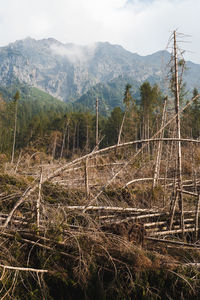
(120,130)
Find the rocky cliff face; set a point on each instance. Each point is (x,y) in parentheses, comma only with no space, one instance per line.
(68,71)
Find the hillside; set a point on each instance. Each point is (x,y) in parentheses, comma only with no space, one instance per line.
(110,94)
(68,71)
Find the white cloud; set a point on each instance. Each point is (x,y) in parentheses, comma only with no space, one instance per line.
(74,53)
(140,26)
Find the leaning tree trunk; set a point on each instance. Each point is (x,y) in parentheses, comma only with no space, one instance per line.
(120,130)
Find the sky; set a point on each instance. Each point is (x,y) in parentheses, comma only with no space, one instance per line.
(142,26)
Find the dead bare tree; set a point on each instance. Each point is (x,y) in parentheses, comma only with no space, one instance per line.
(39,200)
(159,149)
(176,81)
(64,137)
(16,99)
(87,192)
(97,123)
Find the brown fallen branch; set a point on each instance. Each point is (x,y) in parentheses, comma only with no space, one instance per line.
(24,269)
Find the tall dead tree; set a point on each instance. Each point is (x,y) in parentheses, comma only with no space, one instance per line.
(74,137)
(38,204)
(54,144)
(87,139)
(178,196)
(159,149)
(87,192)
(97,123)
(16,99)
(64,137)
(128,100)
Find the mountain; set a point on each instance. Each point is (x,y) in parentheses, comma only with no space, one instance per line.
(73,73)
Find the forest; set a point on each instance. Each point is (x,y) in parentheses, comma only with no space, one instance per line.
(52,127)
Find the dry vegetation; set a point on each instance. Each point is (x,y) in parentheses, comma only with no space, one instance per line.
(96,233)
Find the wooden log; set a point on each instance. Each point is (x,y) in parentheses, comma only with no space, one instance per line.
(197,218)
(144,179)
(118,221)
(196,265)
(23,269)
(111,208)
(152,224)
(107,217)
(173,231)
(171,242)
(165,228)
(188,193)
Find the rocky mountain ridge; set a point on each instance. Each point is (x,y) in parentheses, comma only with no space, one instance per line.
(69,71)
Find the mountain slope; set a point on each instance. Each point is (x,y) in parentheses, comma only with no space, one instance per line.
(68,71)
(110,94)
